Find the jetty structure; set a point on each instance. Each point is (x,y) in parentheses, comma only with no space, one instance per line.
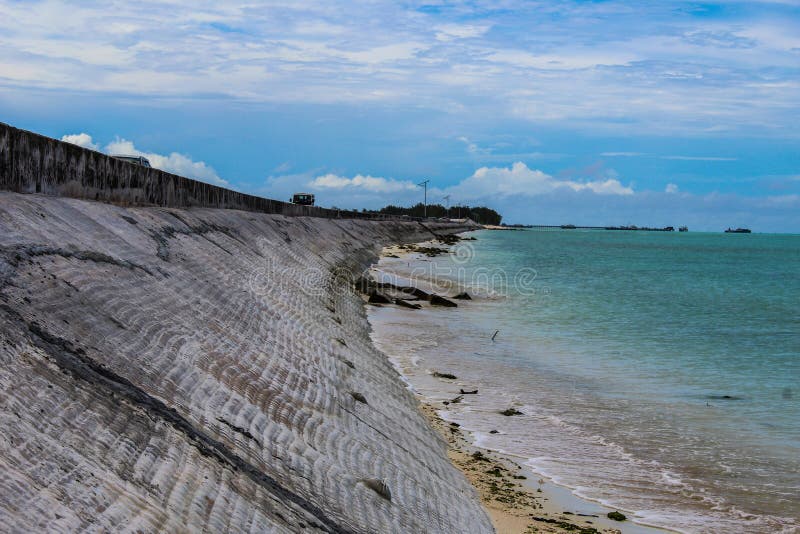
(177,356)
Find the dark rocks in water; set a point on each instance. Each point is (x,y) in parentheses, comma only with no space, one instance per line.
(437,374)
(473,392)
(455,425)
(478,456)
(511,411)
(379,487)
(436,300)
(359,397)
(392,256)
(377,298)
(404,304)
(493,432)
(463,296)
(616,516)
(723,397)
(457,399)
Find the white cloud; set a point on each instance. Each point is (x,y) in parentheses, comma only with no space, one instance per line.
(494,182)
(671,188)
(597,63)
(372,184)
(81,139)
(472,148)
(449,32)
(698,158)
(175,163)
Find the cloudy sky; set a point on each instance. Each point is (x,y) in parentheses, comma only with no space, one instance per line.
(584,112)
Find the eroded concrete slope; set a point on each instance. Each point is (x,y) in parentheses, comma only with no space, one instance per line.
(173,370)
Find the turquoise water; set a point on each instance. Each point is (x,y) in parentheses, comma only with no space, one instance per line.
(658,372)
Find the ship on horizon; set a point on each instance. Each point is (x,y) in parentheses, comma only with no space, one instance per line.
(738,231)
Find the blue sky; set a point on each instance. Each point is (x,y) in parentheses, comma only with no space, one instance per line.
(584,112)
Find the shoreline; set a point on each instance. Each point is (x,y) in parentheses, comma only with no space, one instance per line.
(517,499)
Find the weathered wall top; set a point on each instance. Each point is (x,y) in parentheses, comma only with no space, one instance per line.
(32,163)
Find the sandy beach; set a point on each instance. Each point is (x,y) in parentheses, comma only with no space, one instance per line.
(517,499)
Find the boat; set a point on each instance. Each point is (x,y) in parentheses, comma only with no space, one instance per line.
(683,229)
(738,231)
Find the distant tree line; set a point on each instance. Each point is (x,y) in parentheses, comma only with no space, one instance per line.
(479,214)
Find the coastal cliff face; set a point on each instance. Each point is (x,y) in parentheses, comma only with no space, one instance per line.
(167,369)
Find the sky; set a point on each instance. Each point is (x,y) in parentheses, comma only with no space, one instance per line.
(551,112)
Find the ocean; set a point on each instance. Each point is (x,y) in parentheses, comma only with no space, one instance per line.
(658,373)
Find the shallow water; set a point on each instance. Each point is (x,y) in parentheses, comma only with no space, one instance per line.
(657,372)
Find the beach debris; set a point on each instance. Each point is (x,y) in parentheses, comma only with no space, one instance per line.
(436,300)
(463,296)
(723,397)
(495,334)
(511,411)
(377,298)
(378,486)
(431,251)
(404,304)
(457,399)
(566,525)
(448,376)
(616,516)
(495,472)
(348,363)
(359,397)
(478,456)
(341,341)
(473,392)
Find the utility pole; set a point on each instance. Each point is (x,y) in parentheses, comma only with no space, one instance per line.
(446,199)
(425,205)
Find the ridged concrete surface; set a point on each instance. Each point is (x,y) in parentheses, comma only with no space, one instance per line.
(174,370)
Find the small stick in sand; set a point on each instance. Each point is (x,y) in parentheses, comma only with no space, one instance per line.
(495,334)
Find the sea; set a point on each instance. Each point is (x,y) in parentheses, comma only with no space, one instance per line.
(656,372)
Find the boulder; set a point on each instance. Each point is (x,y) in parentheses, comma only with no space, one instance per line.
(404,304)
(377,298)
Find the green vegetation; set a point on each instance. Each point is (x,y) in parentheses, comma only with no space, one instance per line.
(479,214)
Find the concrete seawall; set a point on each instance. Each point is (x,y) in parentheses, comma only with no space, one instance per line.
(32,163)
(169,366)
(167,369)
